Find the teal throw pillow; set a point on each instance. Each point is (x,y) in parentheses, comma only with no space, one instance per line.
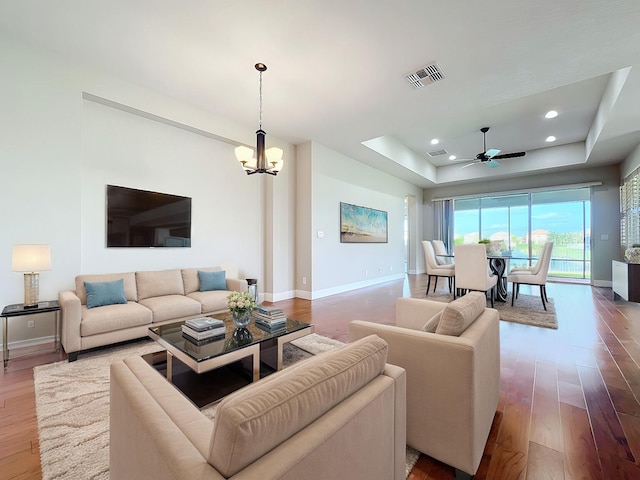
(212,280)
(105,293)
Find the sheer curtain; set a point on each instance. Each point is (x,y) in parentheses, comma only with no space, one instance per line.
(443,222)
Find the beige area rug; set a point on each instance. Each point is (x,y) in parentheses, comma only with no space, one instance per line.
(527,309)
(72,406)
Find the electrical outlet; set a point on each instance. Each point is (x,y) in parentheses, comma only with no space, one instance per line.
(366,272)
(31,323)
(379,269)
(304,280)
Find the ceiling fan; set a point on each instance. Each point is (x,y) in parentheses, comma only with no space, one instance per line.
(490,157)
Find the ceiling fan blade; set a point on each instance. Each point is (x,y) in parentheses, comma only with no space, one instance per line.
(492,163)
(469,164)
(511,155)
(492,152)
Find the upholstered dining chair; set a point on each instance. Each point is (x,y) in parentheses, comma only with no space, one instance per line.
(472,270)
(534,268)
(440,249)
(535,276)
(435,270)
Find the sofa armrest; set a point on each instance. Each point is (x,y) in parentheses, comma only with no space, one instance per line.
(237,285)
(71,318)
(413,313)
(154,431)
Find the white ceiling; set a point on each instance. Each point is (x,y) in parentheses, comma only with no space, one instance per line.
(336,71)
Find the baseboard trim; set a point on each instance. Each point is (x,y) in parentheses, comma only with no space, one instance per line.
(352,286)
(32,342)
(602,283)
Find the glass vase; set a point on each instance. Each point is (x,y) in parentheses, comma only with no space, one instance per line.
(241,317)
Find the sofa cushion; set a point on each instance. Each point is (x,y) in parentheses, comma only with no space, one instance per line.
(110,318)
(169,307)
(432,324)
(159,283)
(191,280)
(105,293)
(257,419)
(461,313)
(212,280)
(129,284)
(213,301)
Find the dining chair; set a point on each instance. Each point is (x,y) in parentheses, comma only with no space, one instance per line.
(440,250)
(435,270)
(536,276)
(472,270)
(534,268)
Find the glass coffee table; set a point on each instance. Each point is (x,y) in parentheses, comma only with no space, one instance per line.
(251,350)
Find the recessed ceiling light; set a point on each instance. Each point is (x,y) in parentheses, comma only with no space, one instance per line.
(452,157)
(551,114)
(435,141)
(550,139)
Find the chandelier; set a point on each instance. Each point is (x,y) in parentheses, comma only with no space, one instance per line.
(266,161)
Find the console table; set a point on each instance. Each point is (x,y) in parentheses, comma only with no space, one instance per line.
(19,310)
(626,280)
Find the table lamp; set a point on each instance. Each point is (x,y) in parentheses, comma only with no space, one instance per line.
(30,259)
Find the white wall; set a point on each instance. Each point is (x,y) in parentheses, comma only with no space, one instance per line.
(630,163)
(336,266)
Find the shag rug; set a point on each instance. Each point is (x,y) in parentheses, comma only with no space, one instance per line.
(527,309)
(72,406)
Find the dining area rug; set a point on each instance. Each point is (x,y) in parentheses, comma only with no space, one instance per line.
(527,309)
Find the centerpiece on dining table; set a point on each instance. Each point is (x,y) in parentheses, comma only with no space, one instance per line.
(494,247)
(241,305)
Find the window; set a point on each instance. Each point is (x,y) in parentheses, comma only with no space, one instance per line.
(524,222)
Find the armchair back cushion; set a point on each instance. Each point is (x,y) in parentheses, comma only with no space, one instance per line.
(459,314)
(159,283)
(254,421)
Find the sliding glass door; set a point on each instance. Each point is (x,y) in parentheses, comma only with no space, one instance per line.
(524,222)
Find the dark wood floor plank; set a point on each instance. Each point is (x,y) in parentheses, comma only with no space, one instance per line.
(608,434)
(545,416)
(580,455)
(544,463)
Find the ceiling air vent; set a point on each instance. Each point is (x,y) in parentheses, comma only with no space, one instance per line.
(437,153)
(425,75)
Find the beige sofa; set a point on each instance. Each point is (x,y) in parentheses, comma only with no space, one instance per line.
(152,298)
(453,382)
(340,414)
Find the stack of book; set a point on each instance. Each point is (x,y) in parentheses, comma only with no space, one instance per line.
(204,329)
(270,318)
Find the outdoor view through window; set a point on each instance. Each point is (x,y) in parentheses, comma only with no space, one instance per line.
(524,222)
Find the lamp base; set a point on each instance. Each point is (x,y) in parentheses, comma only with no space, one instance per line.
(31,289)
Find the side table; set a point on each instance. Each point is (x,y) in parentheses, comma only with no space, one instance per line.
(19,310)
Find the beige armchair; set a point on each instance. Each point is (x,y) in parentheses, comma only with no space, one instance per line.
(435,270)
(453,382)
(298,423)
(537,275)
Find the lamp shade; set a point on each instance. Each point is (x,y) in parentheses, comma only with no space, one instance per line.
(31,258)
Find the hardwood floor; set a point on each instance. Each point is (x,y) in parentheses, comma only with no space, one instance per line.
(568,409)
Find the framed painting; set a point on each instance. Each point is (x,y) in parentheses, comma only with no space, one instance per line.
(362,224)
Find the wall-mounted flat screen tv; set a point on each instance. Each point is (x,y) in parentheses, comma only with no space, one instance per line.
(139,218)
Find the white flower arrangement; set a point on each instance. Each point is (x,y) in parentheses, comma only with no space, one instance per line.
(240,302)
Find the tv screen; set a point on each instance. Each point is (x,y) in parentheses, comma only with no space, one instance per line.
(139,218)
